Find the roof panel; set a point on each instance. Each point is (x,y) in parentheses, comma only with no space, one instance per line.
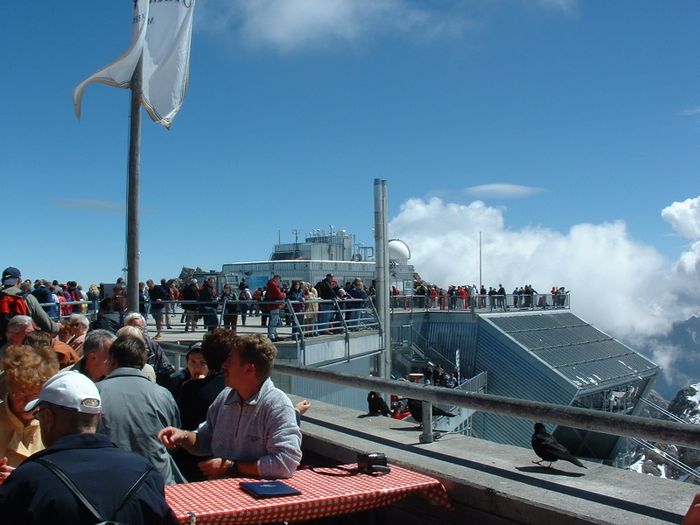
(580,352)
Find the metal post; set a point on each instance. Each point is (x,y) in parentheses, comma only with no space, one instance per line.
(132,227)
(481,283)
(427,434)
(382,272)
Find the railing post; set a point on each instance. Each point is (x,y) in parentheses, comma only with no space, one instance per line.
(427,434)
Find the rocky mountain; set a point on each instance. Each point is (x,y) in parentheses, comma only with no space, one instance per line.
(667,460)
(682,343)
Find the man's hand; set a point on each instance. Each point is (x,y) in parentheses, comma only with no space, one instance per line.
(5,470)
(215,468)
(171,436)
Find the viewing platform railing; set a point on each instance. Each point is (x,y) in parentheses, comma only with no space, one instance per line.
(582,418)
(481,303)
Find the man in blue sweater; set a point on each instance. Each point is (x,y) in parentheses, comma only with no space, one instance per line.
(68,409)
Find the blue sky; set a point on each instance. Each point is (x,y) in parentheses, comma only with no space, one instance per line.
(528,120)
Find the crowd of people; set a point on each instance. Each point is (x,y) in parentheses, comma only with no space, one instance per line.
(275,304)
(469,297)
(107,410)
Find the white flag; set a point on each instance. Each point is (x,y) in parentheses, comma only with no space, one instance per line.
(162,34)
(119,72)
(166,59)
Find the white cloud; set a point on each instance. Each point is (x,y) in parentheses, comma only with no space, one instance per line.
(689,112)
(289,25)
(569,7)
(684,217)
(624,287)
(502,190)
(666,355)
(688,263)
(293,25)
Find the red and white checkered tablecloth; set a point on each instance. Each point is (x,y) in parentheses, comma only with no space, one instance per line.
(222,502)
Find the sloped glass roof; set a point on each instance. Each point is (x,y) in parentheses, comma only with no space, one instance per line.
(583,354)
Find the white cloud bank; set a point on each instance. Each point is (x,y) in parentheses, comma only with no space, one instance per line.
(624,287)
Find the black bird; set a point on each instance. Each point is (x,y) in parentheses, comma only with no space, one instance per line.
(376,405)
(415,407)
(549,449)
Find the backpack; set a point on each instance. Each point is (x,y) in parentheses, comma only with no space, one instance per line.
(10,306)
(86,503)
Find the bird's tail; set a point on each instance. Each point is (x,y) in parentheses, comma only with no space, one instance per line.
(576,462)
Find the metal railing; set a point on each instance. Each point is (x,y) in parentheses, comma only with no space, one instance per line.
(668,458)
(481,303)
(582,418)
(401,334)
(64,309)
(306,318)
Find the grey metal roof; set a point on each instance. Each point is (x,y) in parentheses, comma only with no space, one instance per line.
(587,357)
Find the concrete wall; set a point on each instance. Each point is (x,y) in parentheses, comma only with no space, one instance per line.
(491,483)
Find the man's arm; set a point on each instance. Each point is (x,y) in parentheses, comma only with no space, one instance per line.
(217,468)
(283,442)
(40,317)
(172,437)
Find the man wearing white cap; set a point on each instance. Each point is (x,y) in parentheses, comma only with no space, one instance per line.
(38,491)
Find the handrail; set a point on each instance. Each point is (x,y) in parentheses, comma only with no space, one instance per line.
(669,458)
(423,345)
(91,313)
(662,410)
(488,303)
(582,418)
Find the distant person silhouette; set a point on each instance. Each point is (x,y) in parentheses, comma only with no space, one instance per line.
(549,449)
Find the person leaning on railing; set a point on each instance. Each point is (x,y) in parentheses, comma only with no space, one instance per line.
(229,312)
(190,293)
(310,309)
(296,296)
(208,300)
(359,294)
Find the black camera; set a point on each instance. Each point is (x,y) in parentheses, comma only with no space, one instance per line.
(372,463)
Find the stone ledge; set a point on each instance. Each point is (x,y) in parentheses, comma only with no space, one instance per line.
(500,480)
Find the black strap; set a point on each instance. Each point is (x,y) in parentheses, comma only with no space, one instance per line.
(76,491)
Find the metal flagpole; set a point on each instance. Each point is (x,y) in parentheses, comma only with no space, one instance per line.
(132,208)
(481,283)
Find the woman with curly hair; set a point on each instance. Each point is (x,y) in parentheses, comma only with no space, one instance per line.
(26,370)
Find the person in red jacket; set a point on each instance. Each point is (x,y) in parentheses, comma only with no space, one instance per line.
(272,294)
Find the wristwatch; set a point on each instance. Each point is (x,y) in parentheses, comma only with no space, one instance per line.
(233,469)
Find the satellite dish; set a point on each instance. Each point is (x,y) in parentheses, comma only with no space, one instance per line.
(399,251)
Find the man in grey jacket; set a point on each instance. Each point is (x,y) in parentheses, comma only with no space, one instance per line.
(135,409)
(251,427)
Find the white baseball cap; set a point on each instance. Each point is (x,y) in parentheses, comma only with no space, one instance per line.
(69,389)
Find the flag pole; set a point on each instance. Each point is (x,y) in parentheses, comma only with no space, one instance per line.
(132,213)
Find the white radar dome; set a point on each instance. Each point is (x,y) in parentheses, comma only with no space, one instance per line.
(399,251)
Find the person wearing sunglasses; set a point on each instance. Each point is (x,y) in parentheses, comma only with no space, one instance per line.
(26,370)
